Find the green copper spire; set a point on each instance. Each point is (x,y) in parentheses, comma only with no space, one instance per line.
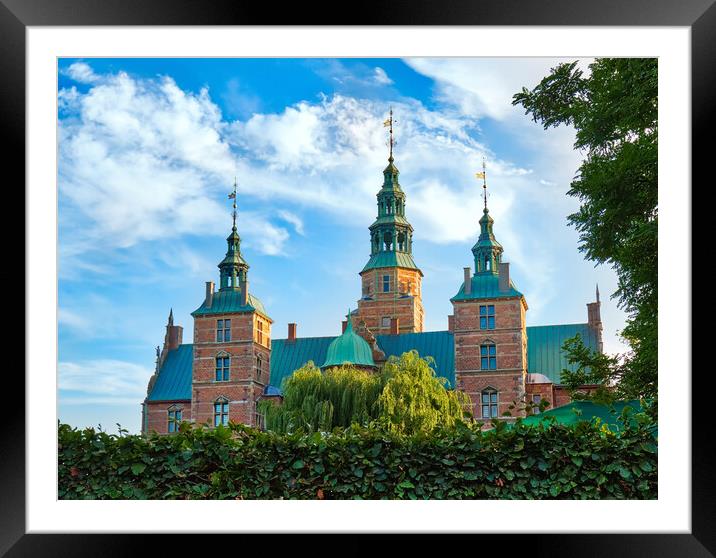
(487,251)
(233,267)
(391,235)
(349,348)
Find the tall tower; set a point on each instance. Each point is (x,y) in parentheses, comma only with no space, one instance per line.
(232,344)
(489,328)
(390,281)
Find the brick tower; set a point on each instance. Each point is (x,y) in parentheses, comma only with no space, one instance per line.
(232,345)
(391,282)
(489,329)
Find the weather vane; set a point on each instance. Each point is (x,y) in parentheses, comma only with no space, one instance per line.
(389,124)
(232,196)
(483,175)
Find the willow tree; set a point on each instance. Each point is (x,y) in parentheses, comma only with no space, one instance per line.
(415,399)
(315,400)
(405,396)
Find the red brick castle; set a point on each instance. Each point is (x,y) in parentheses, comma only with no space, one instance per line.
(487,350)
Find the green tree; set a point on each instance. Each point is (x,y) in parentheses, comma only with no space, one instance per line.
(415,399)
(405,396)
(614,112)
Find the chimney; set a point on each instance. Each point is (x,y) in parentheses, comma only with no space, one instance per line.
(292,332)
(451,322)
(594,320)
(244,292)
(209,300)
(504,276)
(344,325)
(394,326)
(468,281)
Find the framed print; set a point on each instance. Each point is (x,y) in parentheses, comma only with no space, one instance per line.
(151,130)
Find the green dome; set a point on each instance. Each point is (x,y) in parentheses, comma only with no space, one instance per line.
(349,348)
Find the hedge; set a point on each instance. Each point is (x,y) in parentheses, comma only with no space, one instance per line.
(508,462)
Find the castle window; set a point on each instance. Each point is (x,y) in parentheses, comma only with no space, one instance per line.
(488,357)
(260,332)
(222,369)
(487,316)
(385,322)
(259,366)
(221,412)
(386,283)
(173,418)
(223,331)
(488,403)
(536,398)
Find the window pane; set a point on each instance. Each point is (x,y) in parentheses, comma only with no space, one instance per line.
(483,350)
(225,419)
(493,350)
(491,310)
(485,411)
(227,335)
(225,408)
(491,322)
(216,420)
(219,324)
(493,363)
(220,335)
(483,310)
(178,415)
(493,410)
(227,324)
(493,397)
(485,398)
(483,323)
(483,363)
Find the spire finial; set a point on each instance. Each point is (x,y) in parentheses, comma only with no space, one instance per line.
(483,175)
(171,316)
(389,124)
(232,196)
(597,292)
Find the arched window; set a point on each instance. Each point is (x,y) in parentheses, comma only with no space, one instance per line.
(173,418)
(221,411)
(488,402)
(223,367)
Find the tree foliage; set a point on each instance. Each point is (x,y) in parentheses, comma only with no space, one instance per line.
(614,111)
(405,396)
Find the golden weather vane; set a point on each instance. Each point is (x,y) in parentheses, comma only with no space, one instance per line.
(483,175)
(389,124)
(232,196)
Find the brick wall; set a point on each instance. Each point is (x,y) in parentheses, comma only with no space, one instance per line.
(157,417)
(510,339)
(249,350)
(393,304)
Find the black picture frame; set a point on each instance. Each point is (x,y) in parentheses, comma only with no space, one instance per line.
(17,15)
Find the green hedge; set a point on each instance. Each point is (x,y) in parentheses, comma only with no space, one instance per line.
(509,462)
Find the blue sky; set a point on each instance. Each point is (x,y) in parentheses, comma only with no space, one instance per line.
(148,149)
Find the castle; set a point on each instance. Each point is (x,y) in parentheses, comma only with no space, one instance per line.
(486,351)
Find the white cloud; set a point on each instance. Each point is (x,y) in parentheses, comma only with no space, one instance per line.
(381,77)
(103,380)
(294,220)
(81,73)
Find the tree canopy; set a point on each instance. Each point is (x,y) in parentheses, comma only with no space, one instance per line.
(614,110)
(405,396)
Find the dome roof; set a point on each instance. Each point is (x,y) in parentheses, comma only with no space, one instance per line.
(349,348)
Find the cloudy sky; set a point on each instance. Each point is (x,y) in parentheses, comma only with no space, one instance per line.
(148,151)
